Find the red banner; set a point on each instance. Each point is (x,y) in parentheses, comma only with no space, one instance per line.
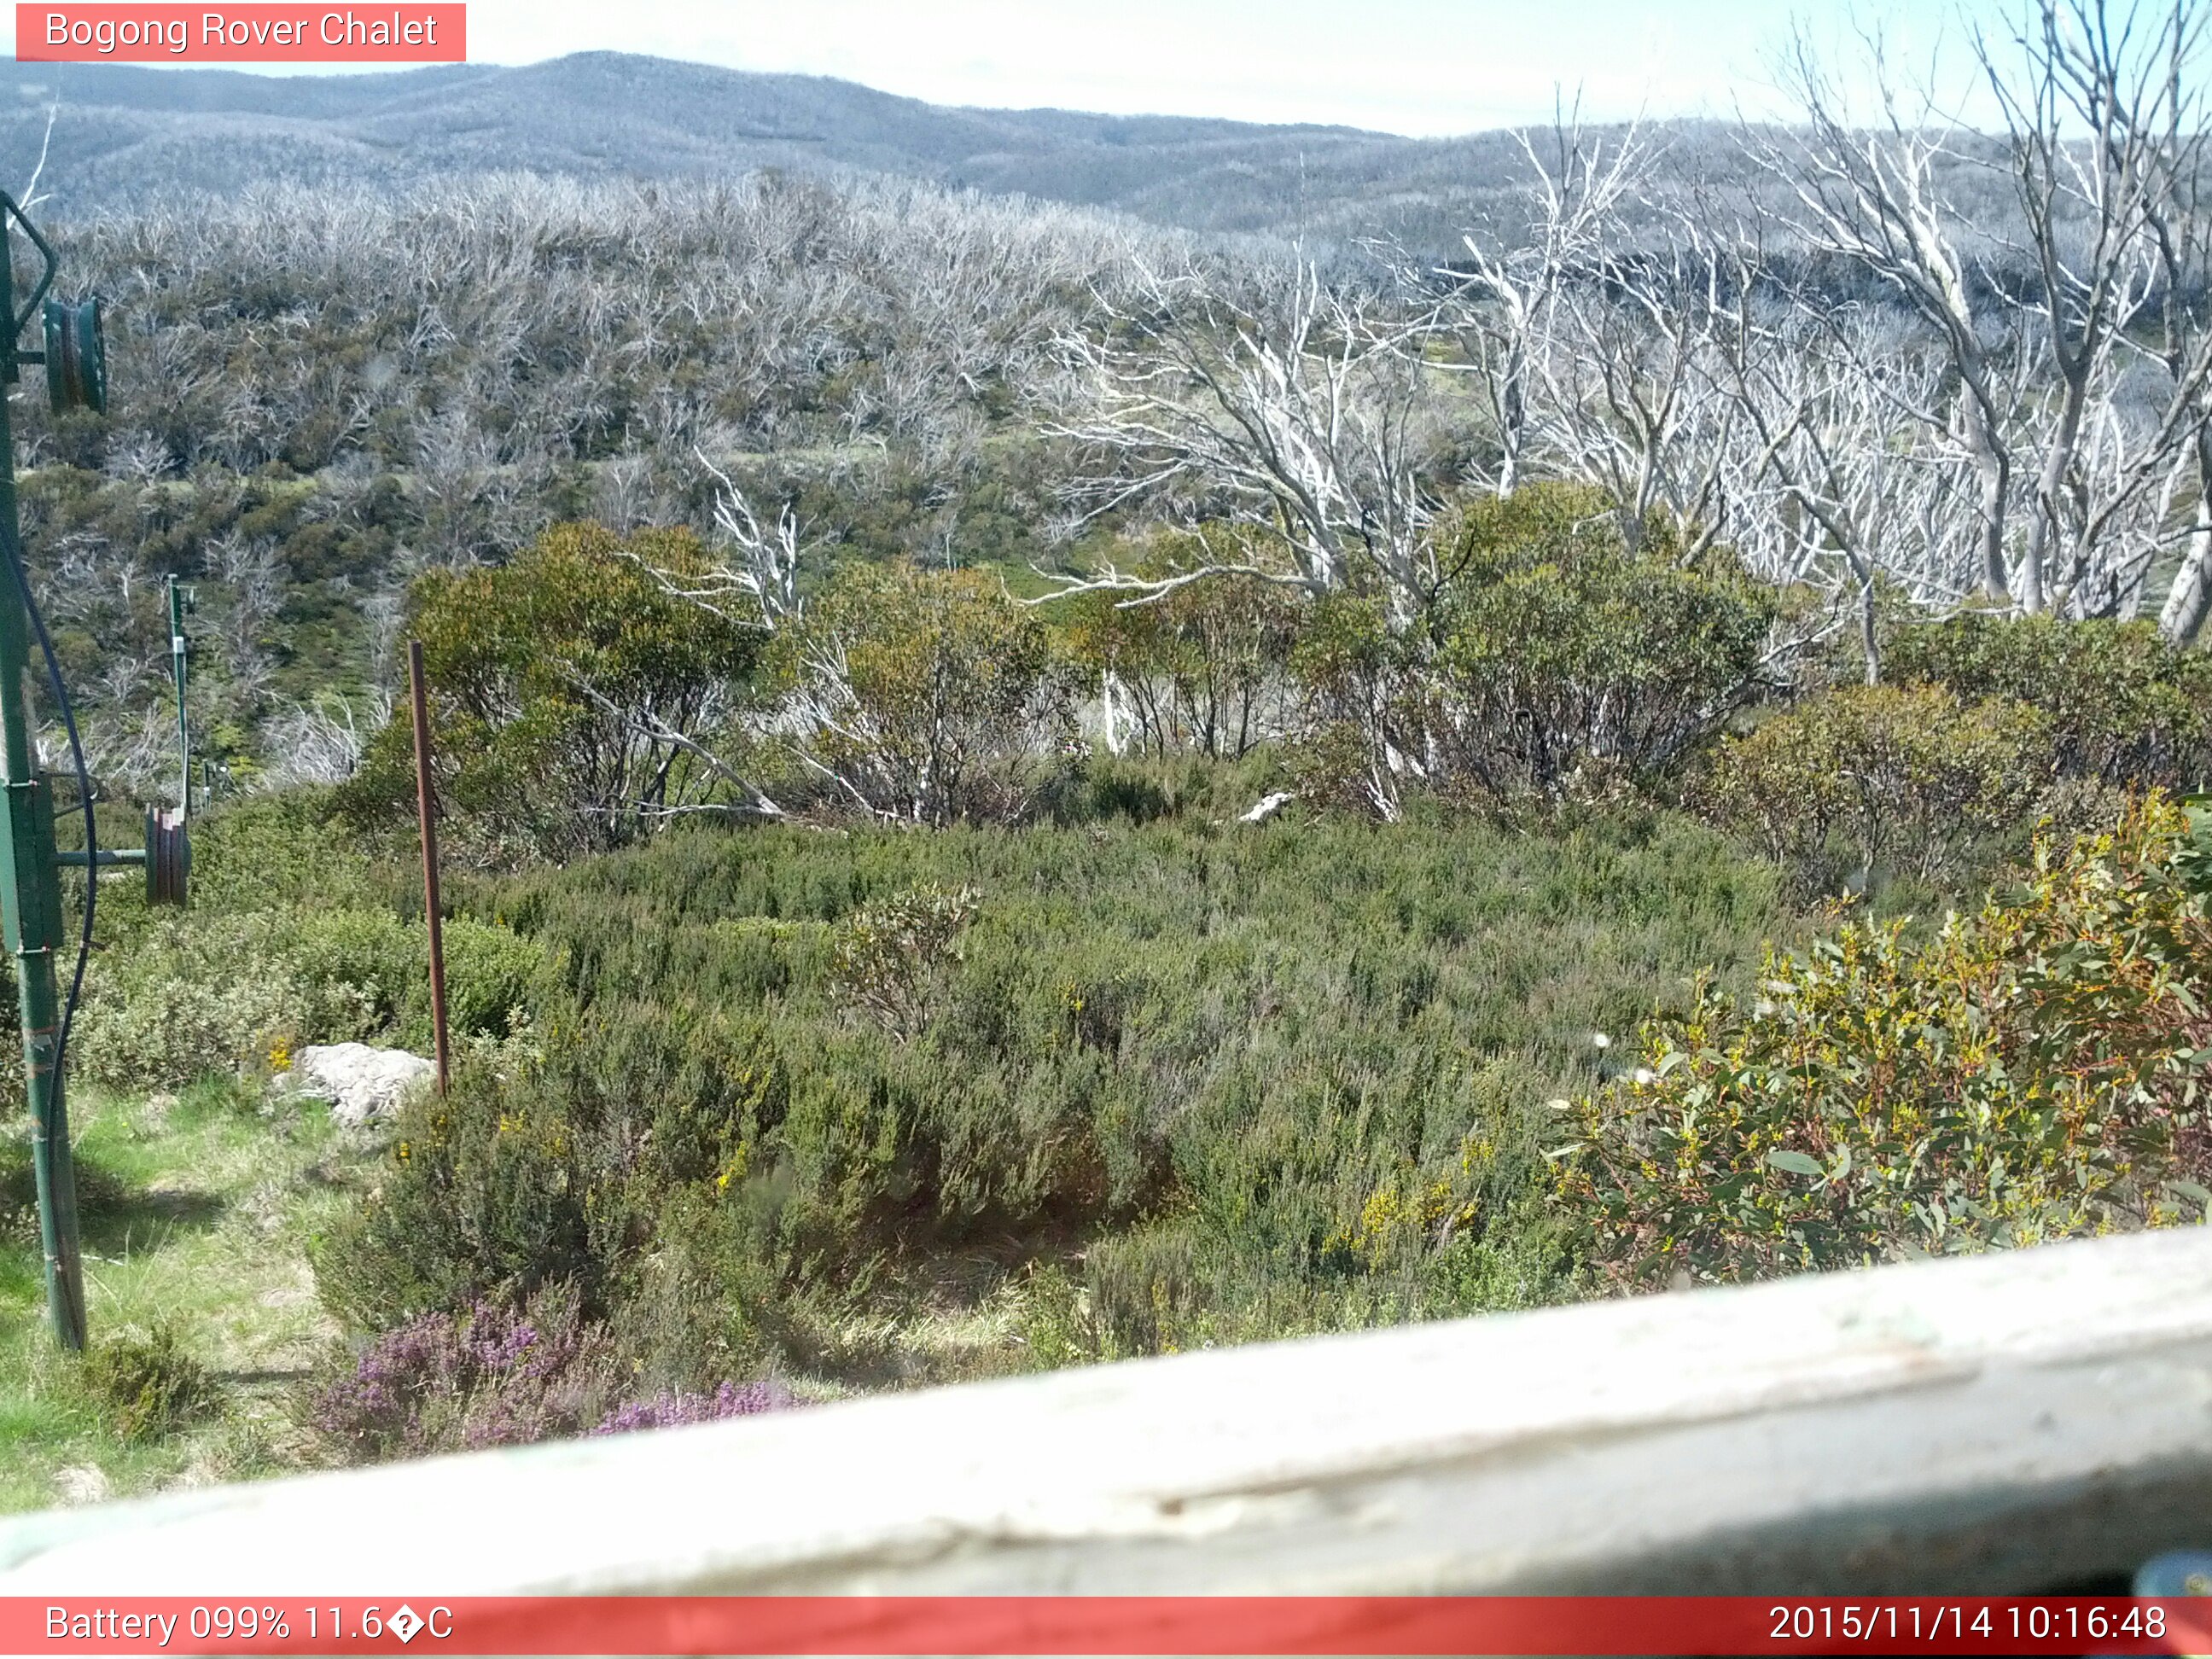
(306,33)
(1135,1624)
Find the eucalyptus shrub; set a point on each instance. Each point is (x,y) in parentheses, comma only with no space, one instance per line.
(1561,654)
(892,959)
(925,695)
(2124,705)
(1199,670)
(1906,780)
(2037,1070)
(1360,685)
(1556,663)
(575,699)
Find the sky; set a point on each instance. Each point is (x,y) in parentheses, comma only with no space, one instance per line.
(1424,67)
(1420,67)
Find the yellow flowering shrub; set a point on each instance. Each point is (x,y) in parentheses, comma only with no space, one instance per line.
(2036,1070)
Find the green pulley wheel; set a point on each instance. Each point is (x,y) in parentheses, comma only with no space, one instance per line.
(76,357)
(168,856)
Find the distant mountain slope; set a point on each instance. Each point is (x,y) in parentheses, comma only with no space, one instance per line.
(125,133)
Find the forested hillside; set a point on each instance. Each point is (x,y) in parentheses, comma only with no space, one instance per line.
(116,137)
(123,134)
(320,394)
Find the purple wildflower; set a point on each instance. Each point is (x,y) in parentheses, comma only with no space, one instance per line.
(670,1407)
(501,1376)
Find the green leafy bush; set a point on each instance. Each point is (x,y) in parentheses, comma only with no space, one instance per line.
(575,698)
(1904,779)
(1200,669)
(1556,664)
(275,851)
(2124,706)
(1360,685)
(891,959)
(164,1031)
(928,696)
(1561,655)
(148,1385)
(2037,1070)
(379,967)
(209,992)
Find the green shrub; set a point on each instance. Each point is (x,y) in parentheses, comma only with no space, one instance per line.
(375,963)
(926,696)
(1556,664)
(197,994)
(209,992)
(2037,1070)
(1902,780)
(2124,706)
(148,1385)
(1057,1327)
(1561,656)
(273,852)
(1237,1061)
(892,959)
(571,695)
(487,1194)
(293,936)
(1361,688)
(1200,670)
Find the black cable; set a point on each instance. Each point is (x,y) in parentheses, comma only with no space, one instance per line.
(84,799)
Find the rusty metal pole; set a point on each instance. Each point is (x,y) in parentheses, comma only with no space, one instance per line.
(423,808)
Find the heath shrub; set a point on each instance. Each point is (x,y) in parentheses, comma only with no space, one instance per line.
(2036,1070)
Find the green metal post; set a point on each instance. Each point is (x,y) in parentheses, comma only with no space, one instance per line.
(183,729)
(30,890)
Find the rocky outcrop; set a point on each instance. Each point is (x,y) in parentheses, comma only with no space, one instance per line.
(363,1084)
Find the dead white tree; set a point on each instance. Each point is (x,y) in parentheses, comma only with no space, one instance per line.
(1301,408)
(2103,120)
(1873,199)
(1502,309)
(2182,227)
(29,197)
(755,582)
(2180,212)
(1835,486)
(1632,401)
(252,578)
(321,743)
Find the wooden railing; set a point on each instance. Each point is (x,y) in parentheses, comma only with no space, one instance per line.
(2015,1423)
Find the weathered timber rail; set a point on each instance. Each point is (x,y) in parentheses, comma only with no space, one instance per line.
(2025,1422)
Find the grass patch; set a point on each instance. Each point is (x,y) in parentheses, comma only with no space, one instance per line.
(196,1209)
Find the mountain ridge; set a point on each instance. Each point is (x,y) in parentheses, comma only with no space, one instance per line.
(123,134)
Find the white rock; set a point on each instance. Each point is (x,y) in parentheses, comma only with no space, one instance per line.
(362,1083)
(83,1483)
(1268,806)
